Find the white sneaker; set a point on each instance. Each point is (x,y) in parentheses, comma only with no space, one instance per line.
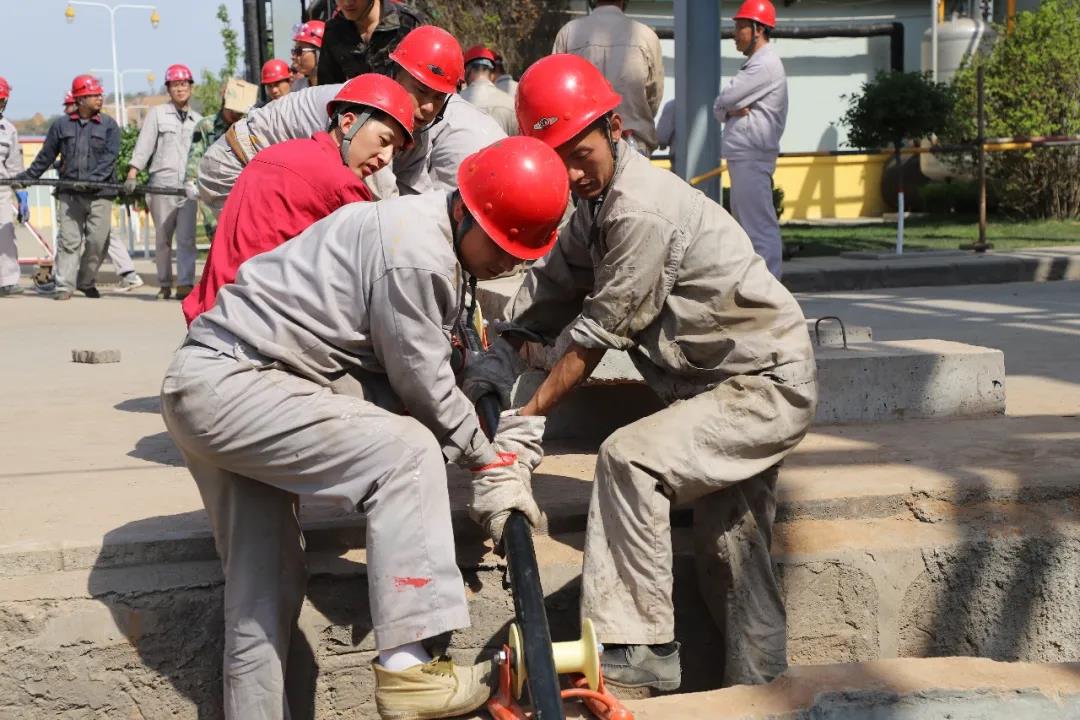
(129,281)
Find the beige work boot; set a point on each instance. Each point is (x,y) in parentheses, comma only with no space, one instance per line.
(436,689)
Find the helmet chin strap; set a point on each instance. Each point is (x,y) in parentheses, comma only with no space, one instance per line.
(347,137)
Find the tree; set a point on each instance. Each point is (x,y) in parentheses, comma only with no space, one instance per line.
(894,107)
(1032,88)
(208,92)
(522,31)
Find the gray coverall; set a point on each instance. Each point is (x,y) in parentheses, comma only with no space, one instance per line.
(164,141)
(751,144)
(507,84)
(11,164)
(628,54)
(299,114)
(251,400)
(483,94)
(662,272)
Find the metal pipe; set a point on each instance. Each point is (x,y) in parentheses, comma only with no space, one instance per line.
(81,185)
(934,39)
(981,245)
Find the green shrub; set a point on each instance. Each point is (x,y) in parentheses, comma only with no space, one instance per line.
(954,198)
(894,107)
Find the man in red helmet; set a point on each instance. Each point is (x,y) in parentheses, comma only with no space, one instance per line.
(503,79)
(361,35)
(628,54)
(307,44)
(753,108)
(480,89)
(276,79)
(366,295)
(11,164)
(428,63)
(371,120)
(163,145)
(88,143)
(650,265)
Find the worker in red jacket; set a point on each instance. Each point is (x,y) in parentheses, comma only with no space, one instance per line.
(290,186)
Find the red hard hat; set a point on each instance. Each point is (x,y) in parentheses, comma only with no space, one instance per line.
(86,85)
(311,33)
(561,95)
(69,99)
(176,73)
(5,89)
(432,56)
(275,71)
(516,190)
(761,11)
(379,92)
(479,52)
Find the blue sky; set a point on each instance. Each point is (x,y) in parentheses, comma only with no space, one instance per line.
(40,52)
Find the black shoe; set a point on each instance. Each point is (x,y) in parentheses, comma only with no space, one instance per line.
(638,666)
(90,292)
(164,293)
(9,290)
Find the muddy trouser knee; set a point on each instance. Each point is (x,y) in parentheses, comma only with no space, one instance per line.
(689,450)
(732,543)
(119,256)
(253,432)
(9,251)
(752,206)
(218,171)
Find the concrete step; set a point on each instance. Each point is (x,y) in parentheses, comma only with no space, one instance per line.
(919,548)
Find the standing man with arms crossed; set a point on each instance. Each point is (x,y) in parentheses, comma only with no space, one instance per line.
(753,108)
(88,143)
(163,144)
(628,55)
(649,265)
(371,291)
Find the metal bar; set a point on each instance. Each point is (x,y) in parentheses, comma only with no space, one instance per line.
(981,245)
(77,185)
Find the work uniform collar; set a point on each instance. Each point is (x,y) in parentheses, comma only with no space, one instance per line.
(182,116)
(326,143)
(622,158)
(96,117)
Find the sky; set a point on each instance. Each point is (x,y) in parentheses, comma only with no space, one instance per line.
(41,53)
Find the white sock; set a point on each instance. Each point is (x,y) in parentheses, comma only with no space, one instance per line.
(403,657)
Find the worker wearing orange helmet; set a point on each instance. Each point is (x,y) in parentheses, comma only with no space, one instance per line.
(162,150)
(753,108)
(252,400)
(307,44)
(276,79)
(11,164)
(651,266)
(88,143)
(480,89)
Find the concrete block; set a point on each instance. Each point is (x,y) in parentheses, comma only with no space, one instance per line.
(95,357)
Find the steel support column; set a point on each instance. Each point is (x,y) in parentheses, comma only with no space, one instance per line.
(697,82)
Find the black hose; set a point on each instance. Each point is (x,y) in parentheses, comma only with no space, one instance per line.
(89,185)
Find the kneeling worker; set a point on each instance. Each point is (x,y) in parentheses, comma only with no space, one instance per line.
(649,265)
(369,291)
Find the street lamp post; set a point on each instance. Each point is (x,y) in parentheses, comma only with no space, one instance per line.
(69,13)
(122,117)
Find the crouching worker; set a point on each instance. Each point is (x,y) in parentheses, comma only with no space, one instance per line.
(649,265)
(291,185)
(372,290)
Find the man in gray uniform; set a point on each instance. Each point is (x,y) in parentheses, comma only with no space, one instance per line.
(11,164)
(366,299)
(481,92)
(163,144)
(651,266)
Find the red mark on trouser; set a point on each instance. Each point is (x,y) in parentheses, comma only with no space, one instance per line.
(413,582)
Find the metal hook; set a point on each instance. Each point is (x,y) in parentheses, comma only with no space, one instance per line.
(817,328)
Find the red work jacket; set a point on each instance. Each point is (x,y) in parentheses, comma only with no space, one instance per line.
(284,190)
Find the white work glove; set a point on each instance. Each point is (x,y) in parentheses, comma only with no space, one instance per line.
(129,185)
(494,370)
(506,485)
(191,190)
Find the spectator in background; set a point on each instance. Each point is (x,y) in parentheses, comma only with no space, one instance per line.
(69,104)
(753,108)
(504,80)
(276,79)
(11,164)
(360,37)
(305,53)
(665,130)
(163,146)
(237,96)
(88,144)
(628,55)
(481,91)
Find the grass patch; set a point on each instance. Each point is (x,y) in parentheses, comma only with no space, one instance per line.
(929,234)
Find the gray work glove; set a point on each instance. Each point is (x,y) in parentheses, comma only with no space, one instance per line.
(191,190)
(129,185)
(506,484)
(493,371)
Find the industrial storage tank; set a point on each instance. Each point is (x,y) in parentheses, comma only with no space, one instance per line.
(957,39)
